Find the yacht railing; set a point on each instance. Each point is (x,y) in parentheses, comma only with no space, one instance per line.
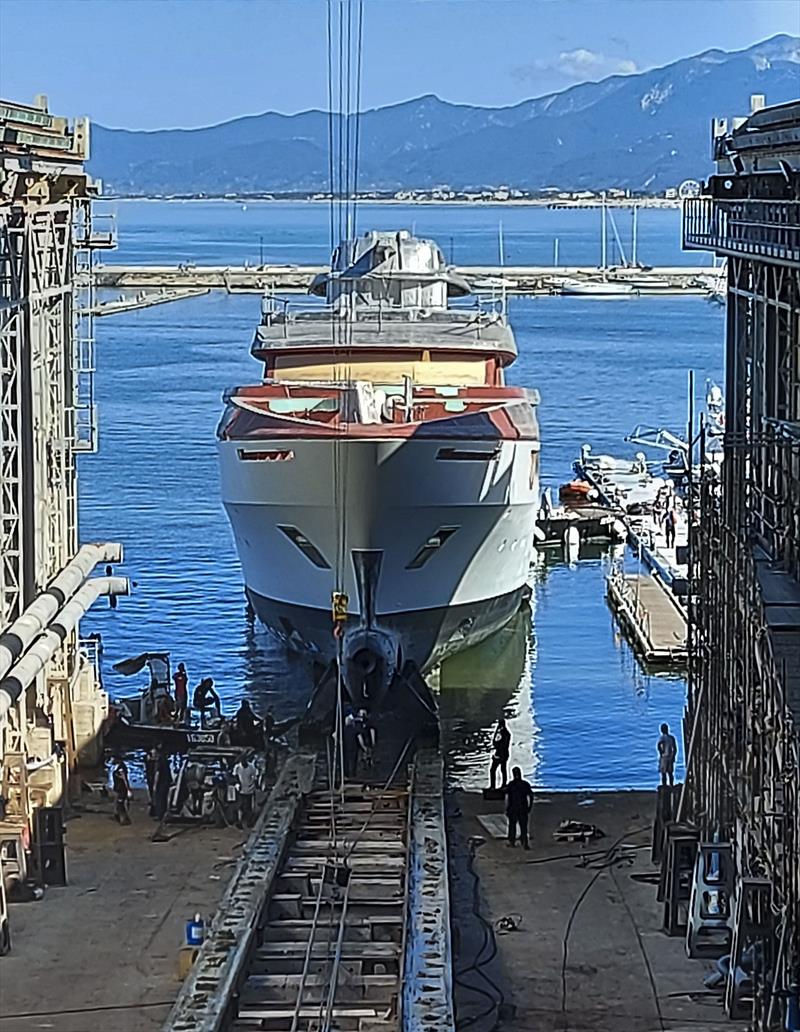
(756,228)
(277,310)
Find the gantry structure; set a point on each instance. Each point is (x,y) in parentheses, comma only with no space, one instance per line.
(742,724)
(51,705)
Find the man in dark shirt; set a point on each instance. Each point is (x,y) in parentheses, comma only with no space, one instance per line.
(519,800)
(181,680)
(501,743)
(122,789)
(205,699)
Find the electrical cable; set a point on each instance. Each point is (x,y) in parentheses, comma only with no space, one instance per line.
(496,997)
(598,870)
(642,950)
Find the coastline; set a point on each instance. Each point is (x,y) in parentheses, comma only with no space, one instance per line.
(516,202)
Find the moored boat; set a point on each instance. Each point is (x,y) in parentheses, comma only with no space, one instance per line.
(382,481)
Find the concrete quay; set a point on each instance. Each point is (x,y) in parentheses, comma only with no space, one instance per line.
(519,279)
(618,972)
(102,952)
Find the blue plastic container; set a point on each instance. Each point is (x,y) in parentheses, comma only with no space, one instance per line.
(195,931)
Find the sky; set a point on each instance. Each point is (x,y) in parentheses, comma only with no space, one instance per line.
(150,64)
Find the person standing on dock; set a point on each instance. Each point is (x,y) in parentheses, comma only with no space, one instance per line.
(162,784)
(519,801)
(670,521)
(246,776)
(122,789)
(667,752)
(181,681)
(501,746)
(247,727)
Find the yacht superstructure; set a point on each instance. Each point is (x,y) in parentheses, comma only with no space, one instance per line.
(382,467)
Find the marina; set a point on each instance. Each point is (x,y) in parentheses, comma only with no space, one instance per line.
(511,279)
(333,906)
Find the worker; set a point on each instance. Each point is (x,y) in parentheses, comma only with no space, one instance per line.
(501,745)
(122,789)
(246,776)
(181,680)
(670,521)
(163,783)
(350,745)
(519,800)
(247,727)
(165,710)
(366,737)
(667,752)
(205,699)
(150,769)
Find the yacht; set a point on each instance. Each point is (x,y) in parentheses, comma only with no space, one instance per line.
(382,480)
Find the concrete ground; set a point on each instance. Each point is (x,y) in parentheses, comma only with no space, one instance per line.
(611,922)
(102,953)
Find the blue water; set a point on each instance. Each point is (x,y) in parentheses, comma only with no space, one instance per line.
(227,233)
(582,713)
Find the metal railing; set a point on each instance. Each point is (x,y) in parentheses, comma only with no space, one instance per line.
(760,229)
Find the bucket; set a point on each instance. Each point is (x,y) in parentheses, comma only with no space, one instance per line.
(195,931)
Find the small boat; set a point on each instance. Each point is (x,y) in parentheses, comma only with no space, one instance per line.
(577,491)
(596,288)
(654,283)
(120,732)
(491,284)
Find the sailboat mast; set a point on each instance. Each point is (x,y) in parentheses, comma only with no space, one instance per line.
(634,240)
(603,232)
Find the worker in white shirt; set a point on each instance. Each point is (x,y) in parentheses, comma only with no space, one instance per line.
(246,776)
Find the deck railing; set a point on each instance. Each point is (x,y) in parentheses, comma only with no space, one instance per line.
(759,229)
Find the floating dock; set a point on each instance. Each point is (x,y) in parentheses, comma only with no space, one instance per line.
(145,300)
(650,616)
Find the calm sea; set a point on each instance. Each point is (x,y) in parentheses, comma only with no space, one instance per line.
(581,711)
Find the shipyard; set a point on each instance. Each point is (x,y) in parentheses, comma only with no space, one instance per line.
(399,609)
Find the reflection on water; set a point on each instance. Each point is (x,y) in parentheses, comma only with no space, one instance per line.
(581,711)
(479,686)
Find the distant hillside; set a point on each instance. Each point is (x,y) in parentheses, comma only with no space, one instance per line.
(644,132)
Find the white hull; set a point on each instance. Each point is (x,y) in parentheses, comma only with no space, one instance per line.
(391,497)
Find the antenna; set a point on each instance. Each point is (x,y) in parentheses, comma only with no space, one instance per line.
(501,249)
(622,257)
(634,233)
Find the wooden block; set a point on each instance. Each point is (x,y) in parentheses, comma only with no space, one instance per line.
(186,957)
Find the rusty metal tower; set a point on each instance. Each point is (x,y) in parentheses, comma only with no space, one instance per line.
(50,701)
(743,716)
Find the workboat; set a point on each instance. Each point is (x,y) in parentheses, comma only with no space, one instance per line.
(382,481)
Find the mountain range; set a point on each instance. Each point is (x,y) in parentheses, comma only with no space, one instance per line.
(643,132)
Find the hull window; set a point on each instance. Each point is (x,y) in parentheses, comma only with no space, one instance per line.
(311,552)
(462,455)
(264,456)
(431,547)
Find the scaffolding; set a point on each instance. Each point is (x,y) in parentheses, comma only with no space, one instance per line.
(47,416)
(742,721)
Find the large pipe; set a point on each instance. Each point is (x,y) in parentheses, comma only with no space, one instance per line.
(25,671)
(41,611)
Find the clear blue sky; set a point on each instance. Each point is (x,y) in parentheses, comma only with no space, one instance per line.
(146,64)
